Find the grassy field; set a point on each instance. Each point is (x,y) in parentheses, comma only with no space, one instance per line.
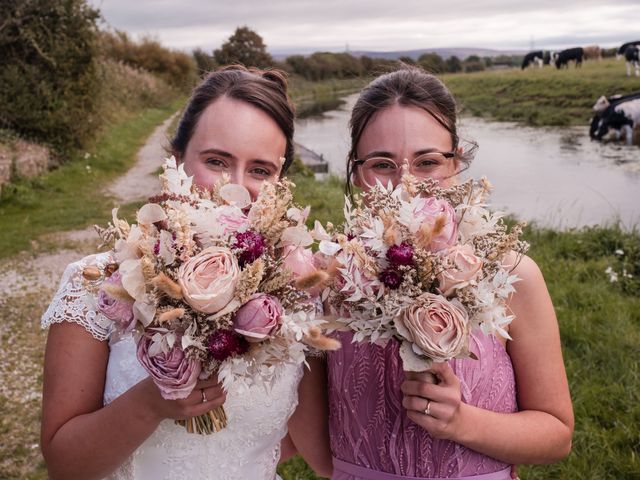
(544,96)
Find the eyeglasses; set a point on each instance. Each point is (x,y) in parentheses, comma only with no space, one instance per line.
(383,169)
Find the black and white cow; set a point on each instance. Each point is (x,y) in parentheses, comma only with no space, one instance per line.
(632,56)
(622,117)
(602,104)
(536,56)
(623,48)
(563,57)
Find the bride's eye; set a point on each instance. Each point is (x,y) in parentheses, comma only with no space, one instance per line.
(261,172)
(216,163)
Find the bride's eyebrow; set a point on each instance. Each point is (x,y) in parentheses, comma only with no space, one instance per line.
(216,151)
(267,163)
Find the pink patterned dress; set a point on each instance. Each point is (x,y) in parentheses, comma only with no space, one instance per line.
(373,439)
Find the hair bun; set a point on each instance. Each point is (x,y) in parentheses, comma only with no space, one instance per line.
(278,76)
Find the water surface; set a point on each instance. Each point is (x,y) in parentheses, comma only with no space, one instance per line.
(555,176)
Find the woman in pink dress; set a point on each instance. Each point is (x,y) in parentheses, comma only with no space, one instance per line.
(360,416)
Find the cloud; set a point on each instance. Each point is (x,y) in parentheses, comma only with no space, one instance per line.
(378,25)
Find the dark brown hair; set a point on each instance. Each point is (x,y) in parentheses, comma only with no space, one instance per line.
(408,86)
(264,89)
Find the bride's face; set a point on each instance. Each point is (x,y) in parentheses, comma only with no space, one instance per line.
(402,139)
(235,138)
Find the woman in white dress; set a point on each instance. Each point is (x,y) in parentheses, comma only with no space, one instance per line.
(103,417)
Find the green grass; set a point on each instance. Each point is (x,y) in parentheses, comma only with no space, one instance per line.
(541,96)
(72,197)
(600,331)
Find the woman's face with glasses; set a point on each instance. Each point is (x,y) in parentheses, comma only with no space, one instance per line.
(404,139)
(235,138)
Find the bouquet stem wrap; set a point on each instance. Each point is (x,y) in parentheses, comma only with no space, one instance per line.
(210,422)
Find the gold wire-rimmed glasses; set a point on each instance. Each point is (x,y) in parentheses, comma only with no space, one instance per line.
(385,170)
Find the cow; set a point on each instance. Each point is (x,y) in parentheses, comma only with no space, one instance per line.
(621,116)
(563,57)
(602,104)
(623,48)
(592,52)
(536,56)
(632,56)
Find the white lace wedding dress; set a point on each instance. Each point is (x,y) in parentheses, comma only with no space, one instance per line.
(248,448)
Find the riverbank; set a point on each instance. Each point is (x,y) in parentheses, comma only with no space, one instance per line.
(539,97)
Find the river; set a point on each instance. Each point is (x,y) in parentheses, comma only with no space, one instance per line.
(555,176)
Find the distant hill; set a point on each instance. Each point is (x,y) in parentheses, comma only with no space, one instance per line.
(460,52)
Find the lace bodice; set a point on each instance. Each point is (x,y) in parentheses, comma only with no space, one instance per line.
(248,448)
(369,426)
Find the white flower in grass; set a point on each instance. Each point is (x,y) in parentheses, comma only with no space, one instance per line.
(613,275)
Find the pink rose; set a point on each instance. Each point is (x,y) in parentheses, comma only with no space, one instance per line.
(438,328)
(117,310)
(208,280)
(173,373)
(428,210)
(299,260)
(258,318)
(466,266)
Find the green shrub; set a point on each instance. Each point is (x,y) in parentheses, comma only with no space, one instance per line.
(126,89)
(49,78)
(176,68)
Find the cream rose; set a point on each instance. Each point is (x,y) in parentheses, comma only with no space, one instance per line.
(208,280)
(438,329)
(465,267)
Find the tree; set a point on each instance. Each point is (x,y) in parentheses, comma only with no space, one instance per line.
(245,47)
(205,62)
(407,60)
(453,64)
(432,62)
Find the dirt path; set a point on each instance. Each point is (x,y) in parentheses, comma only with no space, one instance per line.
(141,181)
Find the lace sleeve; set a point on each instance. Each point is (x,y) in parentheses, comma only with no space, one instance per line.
(73,303)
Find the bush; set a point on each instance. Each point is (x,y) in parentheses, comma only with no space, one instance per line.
(126,89)
(177,68)
(49,78)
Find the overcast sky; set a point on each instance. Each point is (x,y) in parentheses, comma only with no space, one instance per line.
(382,25)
